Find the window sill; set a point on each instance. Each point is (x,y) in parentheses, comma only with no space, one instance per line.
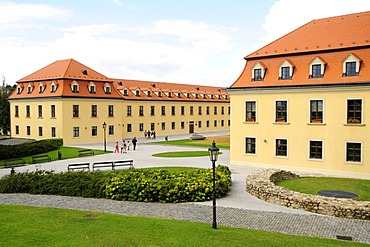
(319,160)
(316,123)
(250,154)
(53,118)
(256,122)
(282,123)
(353,163)
(281,157)
(354,124)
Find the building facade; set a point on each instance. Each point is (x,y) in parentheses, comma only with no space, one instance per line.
(69,100)
(303,101)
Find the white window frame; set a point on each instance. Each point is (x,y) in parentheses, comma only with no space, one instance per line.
(309,150)
(287,148)
(245,145)
(351,58)
(362,153)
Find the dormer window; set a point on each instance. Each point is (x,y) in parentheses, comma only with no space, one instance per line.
(317,67)
(226,96)
(179,94)
(159,93)
(196,95)
(125,92)
(258,72)
(204,96)
(187,95)
(219,96)
(351,65)
(170,94)
(41,88)
(75,87)
(29,89)
(107,89)
(53,87)
(92,88)
(19,89)
(149,93)
(137,93)
(211,96)
(286,70)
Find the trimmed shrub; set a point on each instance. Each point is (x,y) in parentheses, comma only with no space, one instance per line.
(133,185)
(29,148)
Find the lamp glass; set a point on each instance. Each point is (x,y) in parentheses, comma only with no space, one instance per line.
(213,152)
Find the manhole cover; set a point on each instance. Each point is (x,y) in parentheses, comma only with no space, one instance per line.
(337,194)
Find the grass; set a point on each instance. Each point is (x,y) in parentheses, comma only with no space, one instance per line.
(182,154)
(67,153)
(313,185)
(221,142)
(38,226)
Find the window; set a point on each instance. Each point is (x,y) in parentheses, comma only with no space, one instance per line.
(111,130)
(94,130)
(169,94)
(152,110)
(74,88)
(215,123)
(40,111)
(41,88)
(129,127)
(228,122)
(222,110)
(152,126)
(179,94)
(76,132)
(281,147)
(110,111)
(182,110)
(107,89)
(316,150)
(281,111)
(199,124)
(16,111)
(250,145)
(354,111)
(257,74)
(173,110)
(163,111)
(207,123)
(182,125)
(94,111)
(316,111)
(285,73)
(53,88)
(53,132)
(125,92)
(353,152)
(159,93)
(137,93)
(52,111)
(149,93)
(207,110)
(28,111)
(19,90)
(76,111)
(187,95)
(222,123)
(91,89)
(141,126)
(141,110)
(250,111)
(351,69)
(129,109)
(17,130)
(228,110)
(215,110)
(316,71)
(29,89)
(163,126)
(173,125)
(199,110)
(40,131)
(28,130)
(191,110)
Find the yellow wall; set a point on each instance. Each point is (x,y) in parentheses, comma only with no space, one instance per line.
(334,133)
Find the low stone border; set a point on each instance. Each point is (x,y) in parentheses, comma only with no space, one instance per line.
(262,185)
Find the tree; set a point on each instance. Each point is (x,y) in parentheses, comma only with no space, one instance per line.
(5,91)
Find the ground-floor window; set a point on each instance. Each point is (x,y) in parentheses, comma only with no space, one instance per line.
(152,126)
(173,125)
(53,132)
(281,147)
(215,123)
(182,125)
(17,130)
(129,127)
(353,152)
(141,126)
(222,123)
(207,123)
(76,131)
(163,126)
(94,130)
(250,145)
(316,150)
(28,130)
(111,130)
(228,122)
(199,124)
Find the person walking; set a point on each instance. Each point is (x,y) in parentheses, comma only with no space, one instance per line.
(116,150)
(134,141)
(124,146)
(128,145)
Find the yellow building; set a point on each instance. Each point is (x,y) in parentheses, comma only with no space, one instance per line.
(302,101)
(69,100)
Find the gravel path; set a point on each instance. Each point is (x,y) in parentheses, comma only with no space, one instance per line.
(296,224)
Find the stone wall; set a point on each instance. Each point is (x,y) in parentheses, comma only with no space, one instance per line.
(262,185)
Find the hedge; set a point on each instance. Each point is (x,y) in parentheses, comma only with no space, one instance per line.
(134,185)
(29,148)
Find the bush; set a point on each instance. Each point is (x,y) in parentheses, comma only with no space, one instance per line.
(134,185)
(29,148)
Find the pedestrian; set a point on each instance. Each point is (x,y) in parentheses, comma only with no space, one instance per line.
(134,141)
(116,150)
(124,146)
(154,134)
(145,133)
(148,133)
(128,145)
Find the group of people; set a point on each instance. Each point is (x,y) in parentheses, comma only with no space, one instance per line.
(149,134)
(125,145)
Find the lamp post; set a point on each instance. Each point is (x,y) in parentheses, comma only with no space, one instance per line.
(213,155)
(105,136)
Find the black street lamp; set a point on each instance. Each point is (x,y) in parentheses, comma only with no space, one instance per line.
(213,155)
(105,136)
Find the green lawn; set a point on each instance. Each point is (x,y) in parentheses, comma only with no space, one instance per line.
(313,185)
(221,142)
(38,226)
(182,154)
(67,153)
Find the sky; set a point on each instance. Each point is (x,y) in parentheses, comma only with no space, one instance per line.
(200,42)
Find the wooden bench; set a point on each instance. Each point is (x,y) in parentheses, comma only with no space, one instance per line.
(40,158)
(12,163)
(129,163)
(79,166)
(85,152)
(102,164)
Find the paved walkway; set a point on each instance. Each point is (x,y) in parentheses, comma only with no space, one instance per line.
(237,209)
